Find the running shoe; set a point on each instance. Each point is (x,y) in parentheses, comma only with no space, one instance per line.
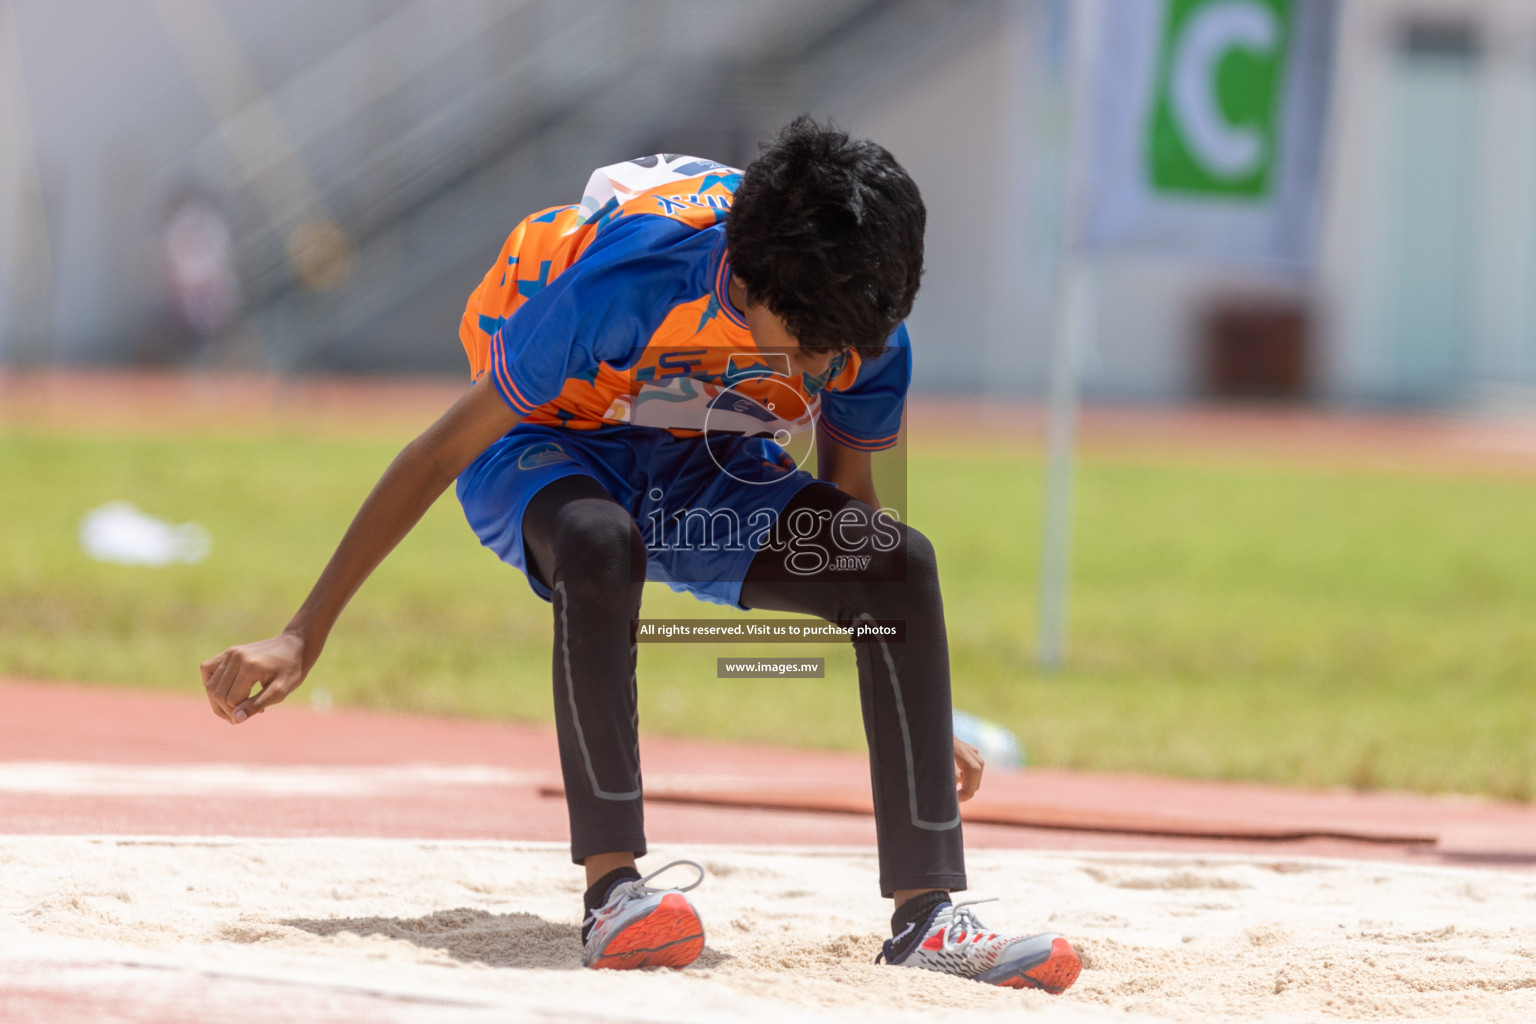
(642,926)
(955,942)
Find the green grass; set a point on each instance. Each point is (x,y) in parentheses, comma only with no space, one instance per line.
(1232,621)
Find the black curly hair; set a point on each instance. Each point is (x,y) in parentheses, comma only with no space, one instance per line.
(827,232)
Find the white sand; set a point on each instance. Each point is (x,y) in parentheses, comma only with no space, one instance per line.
(352,930)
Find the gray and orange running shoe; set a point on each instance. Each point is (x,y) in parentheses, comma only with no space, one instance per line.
(954,942)
(642,926)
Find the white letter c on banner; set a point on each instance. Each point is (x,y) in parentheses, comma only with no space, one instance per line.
(1226,150)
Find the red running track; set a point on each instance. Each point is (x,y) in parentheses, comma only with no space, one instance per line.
(90,760)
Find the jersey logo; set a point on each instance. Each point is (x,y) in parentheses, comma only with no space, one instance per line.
(542,455)
(678,364)
(675,204)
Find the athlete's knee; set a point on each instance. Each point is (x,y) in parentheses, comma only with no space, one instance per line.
(597,548)
(910,560)
(900,582)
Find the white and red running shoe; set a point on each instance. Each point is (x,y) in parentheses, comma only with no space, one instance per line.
(641,926)
(955,942)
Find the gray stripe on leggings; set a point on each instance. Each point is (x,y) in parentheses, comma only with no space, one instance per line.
(570,694)
(906,742)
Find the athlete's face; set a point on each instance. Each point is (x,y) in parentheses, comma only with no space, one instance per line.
(770,334)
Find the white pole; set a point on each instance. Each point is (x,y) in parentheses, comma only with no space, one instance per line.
(1008,304)
(1074,326)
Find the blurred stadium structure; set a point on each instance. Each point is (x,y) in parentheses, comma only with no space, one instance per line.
(297,186)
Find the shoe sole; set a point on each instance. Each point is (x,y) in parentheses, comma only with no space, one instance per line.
(671,935)
(1052,970)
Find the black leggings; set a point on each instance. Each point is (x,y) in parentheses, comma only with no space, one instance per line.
(585,547)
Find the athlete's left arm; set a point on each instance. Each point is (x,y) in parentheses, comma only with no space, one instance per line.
(870,414)
(845,468)
(849,470)
(864,417)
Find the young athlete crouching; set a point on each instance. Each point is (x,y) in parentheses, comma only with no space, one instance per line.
(645,364)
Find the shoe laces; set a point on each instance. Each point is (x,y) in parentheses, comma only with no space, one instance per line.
(962,922)
(959,914)
(620,895)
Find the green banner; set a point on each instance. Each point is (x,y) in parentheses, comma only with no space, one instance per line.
(1216,117)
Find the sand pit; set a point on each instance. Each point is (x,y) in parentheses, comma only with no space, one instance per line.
(353,929)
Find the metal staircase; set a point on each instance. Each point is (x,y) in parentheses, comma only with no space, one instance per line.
(423,140)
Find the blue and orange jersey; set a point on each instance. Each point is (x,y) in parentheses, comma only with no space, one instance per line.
(617,311)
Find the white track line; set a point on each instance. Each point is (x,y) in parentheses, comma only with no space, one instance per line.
(220,778)
(74,778)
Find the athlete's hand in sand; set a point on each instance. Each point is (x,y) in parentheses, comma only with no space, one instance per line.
(275,665)
(968,769)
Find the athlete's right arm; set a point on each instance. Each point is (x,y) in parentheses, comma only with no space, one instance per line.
(417,477)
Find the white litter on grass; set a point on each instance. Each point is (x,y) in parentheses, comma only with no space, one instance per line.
(999,748)
(119,532)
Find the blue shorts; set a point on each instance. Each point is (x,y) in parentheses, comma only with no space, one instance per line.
(704,506)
